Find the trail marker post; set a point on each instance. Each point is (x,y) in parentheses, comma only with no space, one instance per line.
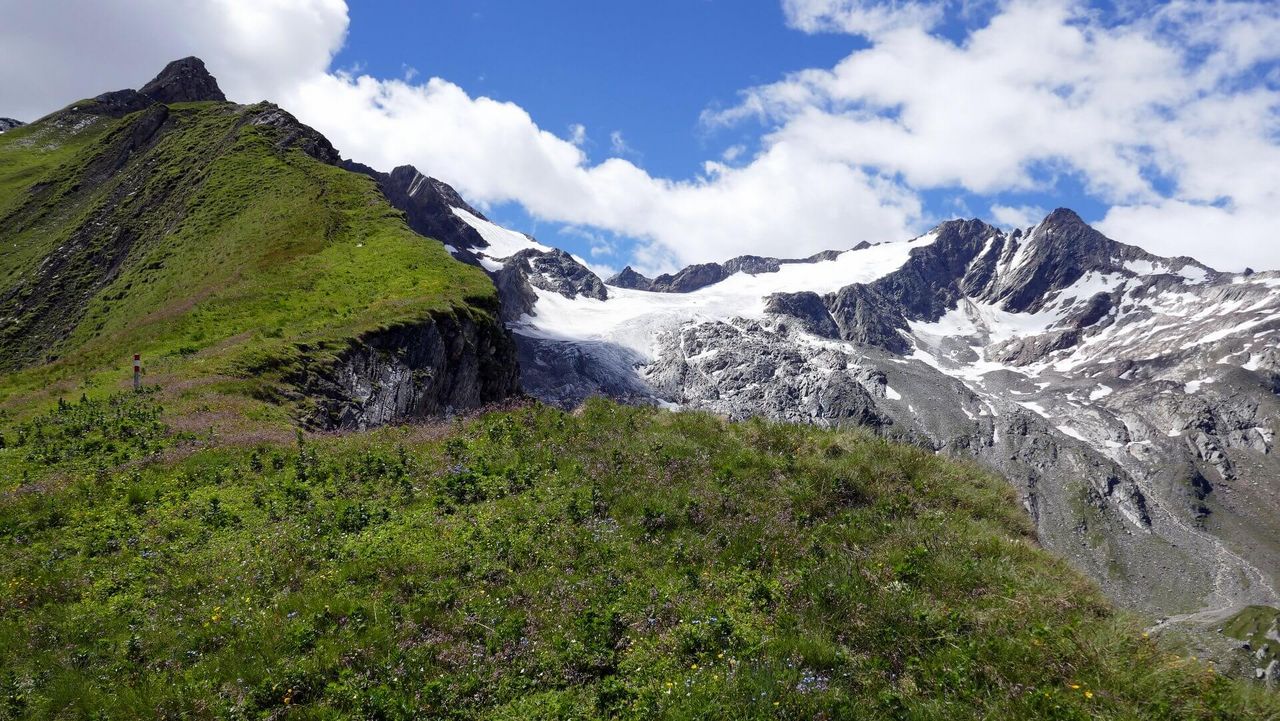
(137,372)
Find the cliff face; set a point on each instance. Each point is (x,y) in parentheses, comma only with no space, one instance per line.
(452,362)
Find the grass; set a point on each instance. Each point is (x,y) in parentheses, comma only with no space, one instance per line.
(211,251)
(529,563)
(1259,626)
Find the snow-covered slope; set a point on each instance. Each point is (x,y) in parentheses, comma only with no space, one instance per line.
(1132,398)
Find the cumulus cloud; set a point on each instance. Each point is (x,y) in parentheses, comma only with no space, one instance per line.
(861,17)
(789,199)
(1166,111)
(1169,114)
(1019,216)
(54,52)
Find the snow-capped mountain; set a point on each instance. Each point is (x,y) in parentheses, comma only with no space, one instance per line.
(1132,399)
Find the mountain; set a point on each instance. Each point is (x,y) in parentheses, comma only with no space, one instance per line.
(226,244)
(10,124)
(1132,399)
(330,497)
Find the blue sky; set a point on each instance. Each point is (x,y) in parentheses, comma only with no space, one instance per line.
(667,132)
(644,69)
(640,77)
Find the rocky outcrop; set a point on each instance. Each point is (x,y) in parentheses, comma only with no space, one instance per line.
(555,271)
(428,206)
(442,365)
(292,133)
(629,278)
(10,124)
(701,275)
(183,81)
(808,309)
(744,368)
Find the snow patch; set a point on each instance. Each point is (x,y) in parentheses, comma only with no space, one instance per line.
(503,243)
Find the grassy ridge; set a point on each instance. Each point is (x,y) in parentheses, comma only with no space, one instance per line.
(617,562)
(210,250)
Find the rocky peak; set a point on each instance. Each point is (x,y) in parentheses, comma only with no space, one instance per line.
(1052,256)
(428,207)
(10,124)
(629,278)
(425,190)
(554,271)
(293,133)
(183,81)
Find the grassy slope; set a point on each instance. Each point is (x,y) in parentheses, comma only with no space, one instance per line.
(1258,626)
(243,255)
(534,564)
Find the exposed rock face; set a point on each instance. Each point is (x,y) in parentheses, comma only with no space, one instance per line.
(115,104)
(428,206)
(743,368)
(696,277)
(447,364)
(10,124)
(183,81)
(808,309)
(293,134)
(1133,400)
(555,271)
(629,278)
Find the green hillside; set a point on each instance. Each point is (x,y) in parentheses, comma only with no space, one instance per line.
(615,563)
(211,238)
(196,550)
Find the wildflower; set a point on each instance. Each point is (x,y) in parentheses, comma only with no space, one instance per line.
(1075,686)
(1088,694)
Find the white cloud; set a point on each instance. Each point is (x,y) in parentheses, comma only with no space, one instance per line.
(494,152)
(1226,239)
(54,52)
(1166,111)
(1020,216)
(618,144)
(1161,113)
(861,17)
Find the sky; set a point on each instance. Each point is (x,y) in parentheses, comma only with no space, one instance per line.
(659,133)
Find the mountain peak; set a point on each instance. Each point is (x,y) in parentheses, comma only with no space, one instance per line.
(183,81)
(1063,217)
(629,278)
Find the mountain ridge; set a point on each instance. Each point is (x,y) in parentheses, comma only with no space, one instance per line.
(1131,400)
(1015,343)
(226,244)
